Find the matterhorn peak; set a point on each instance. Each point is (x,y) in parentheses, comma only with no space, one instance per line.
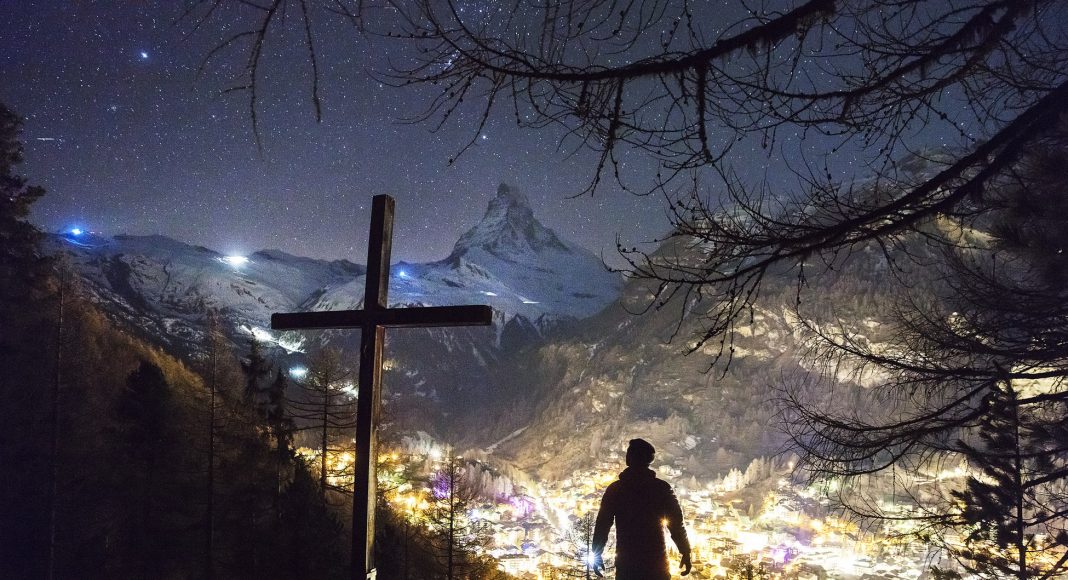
(508,229)
(510,195)
(510,205)
(510,256)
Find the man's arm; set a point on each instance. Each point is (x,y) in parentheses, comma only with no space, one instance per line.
(605,516)
(677,528)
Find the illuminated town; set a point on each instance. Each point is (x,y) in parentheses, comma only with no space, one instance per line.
(534,527)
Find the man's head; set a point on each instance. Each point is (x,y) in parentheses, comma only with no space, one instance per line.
(639,453)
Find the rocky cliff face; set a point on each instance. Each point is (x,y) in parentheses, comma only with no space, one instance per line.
(583,394)
(510,232)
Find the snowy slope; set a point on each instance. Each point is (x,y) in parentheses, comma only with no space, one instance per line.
(165,288)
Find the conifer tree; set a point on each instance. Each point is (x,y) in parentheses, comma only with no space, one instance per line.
(29,436)
(280,427)
(326,408)
(455,539)
(582,538)
(976,366)
(310,534)
(62,304)
(216,348)
(399,535)
(400,531)
(256,367)
(142,420)
(23,270)
(279,422)
(1005,504)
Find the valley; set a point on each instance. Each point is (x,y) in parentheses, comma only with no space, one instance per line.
(545,399)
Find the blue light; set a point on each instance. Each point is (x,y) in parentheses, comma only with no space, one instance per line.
(402,273)
(76,231)
(298,372)
(144,55)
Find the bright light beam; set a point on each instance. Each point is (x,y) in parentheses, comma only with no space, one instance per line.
(235,261)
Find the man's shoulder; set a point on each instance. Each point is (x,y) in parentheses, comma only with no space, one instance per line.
(651,483)
(661,485)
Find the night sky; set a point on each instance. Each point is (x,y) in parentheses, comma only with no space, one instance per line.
(127,140)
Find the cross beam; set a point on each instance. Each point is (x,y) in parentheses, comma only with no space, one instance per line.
(429,316)
(372,321)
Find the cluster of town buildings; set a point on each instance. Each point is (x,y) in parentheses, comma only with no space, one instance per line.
(773,528)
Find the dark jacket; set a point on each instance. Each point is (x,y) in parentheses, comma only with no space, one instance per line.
(640,505)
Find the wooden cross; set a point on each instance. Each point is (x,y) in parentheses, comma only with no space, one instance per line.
(372,322)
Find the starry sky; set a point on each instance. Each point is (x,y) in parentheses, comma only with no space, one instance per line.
(127,139)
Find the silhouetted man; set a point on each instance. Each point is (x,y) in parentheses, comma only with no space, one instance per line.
(640,504)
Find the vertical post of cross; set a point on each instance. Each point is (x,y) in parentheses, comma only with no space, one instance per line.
(372,321)
(380,245)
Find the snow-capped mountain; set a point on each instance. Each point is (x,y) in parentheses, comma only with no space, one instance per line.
(165,288)
(580,395)
(528,261)
(545,394)
(534,280)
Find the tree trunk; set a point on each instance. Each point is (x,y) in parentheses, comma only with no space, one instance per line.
(149,556)
(452,515)
(53,456)
(323,442)
(209,537)
(1021,525)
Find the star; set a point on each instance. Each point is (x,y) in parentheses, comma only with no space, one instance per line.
(143,54)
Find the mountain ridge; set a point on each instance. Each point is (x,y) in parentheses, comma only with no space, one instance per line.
(164,290)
